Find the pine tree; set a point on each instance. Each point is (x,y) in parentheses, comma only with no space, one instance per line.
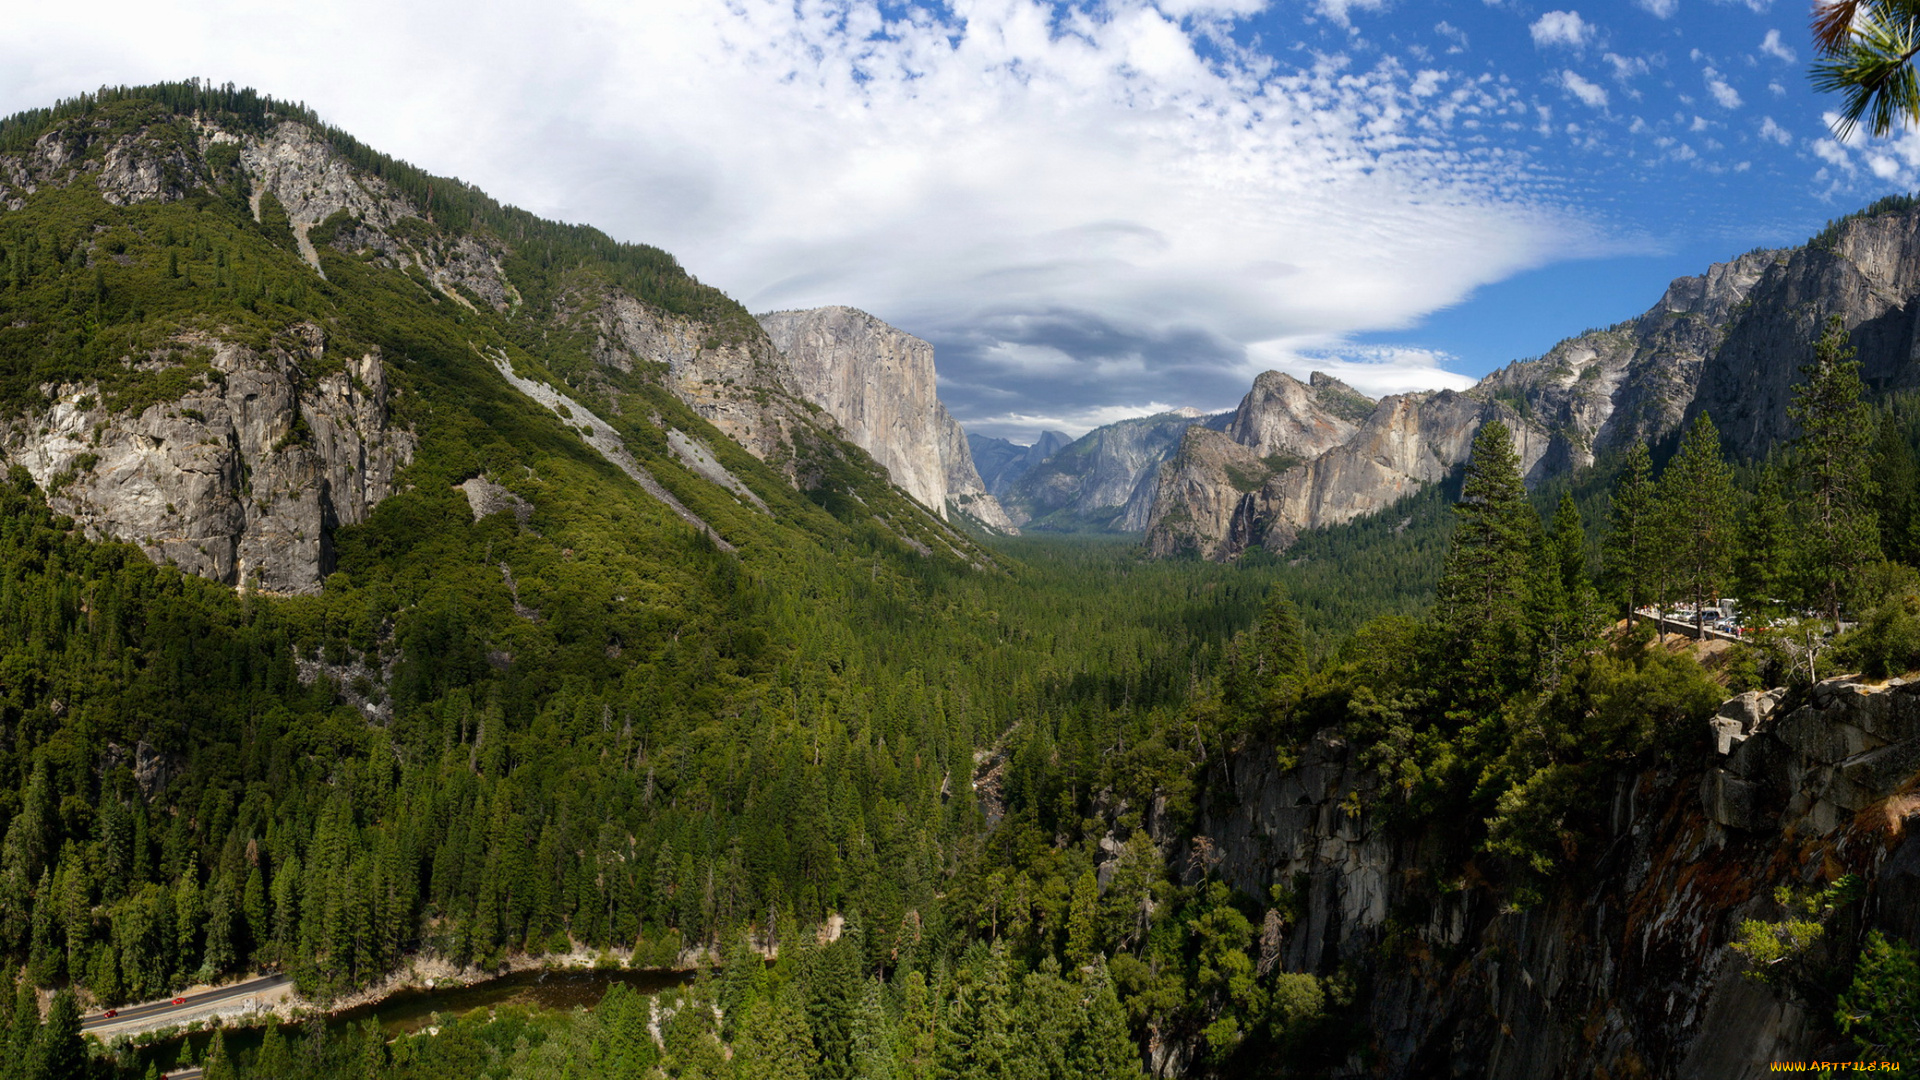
(1631,552)
(1105,1049)
(1897,476)
(1083,922)
(1839,531)
(774,1044)
(1697,502)
(975,1038)
(1763,565)
(875,1056)
(58,1053)
(1480,601)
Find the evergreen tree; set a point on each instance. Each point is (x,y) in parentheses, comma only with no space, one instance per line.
(975,1040)
(874,1056)
(1565,607)
(1480,601)
(774,1043)
(58,1053)
(1896,475)
(1763,566)
(1105,1049)
(1083,922)
(1697,502)
(1839,531)
(1048,1020)
(1631,551)
(1269,663)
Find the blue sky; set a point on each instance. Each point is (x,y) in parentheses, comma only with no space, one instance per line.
(1685,130)
(1092,210)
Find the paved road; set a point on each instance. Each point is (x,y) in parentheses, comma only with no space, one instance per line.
(156,1013)
(192,1073)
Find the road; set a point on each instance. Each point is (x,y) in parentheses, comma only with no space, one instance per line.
(156,1014)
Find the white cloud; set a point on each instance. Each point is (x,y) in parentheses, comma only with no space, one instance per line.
(1773,131)
(1108,182)
(1626,67)
(1659,9)
(1722,92)
(1338,10)
(1022,425)
(1453,34)
(1374,370)
(1592,94)
(1562,28)
(1833,153)
(1774,47)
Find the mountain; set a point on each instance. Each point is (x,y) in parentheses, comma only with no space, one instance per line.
(231,400)
(1002,462)
(879,383)
(1588,396)
(1102,481)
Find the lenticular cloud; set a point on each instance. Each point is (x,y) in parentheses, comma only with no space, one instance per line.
(1127,195)
(1011,169)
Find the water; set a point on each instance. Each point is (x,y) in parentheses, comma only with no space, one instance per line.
(558,991)
(412,1010)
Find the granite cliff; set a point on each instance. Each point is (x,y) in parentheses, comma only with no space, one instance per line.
(879,383)
(1627,969)
(1002,462)
(1591,394)
(1103,480)
(234,432)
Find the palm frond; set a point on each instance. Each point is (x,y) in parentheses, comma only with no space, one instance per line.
(1872,69)
(1832,19)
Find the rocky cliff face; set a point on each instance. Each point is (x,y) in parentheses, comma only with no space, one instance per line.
(1591,394)
(1627,971)
(1867,271)
(879,383)
(1104,479)
(243,477)
(1002,462)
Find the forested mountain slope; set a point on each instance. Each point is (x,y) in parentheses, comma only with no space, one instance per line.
(387,574)
(389,577)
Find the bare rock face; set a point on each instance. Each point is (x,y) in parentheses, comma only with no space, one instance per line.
(1282,415)
(1600,391)
(1626,970)
(966,492)
(1867,271)
(879,383)
(1002,462)
(243,477)
(1104,479)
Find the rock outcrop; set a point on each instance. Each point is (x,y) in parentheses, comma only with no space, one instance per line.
(1629,970)
(879,383)
(1003,462)
(243,477)
(1866,270)
(1104,479)
(1591,394)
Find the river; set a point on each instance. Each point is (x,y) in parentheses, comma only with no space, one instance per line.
(410,1010)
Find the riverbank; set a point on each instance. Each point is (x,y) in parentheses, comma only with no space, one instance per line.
(427,984)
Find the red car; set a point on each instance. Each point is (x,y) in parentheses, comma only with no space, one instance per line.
(179,1001)
(110,1014)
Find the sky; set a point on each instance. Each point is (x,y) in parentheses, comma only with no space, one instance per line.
(1092,210)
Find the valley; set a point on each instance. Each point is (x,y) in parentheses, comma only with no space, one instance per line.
(394,579)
